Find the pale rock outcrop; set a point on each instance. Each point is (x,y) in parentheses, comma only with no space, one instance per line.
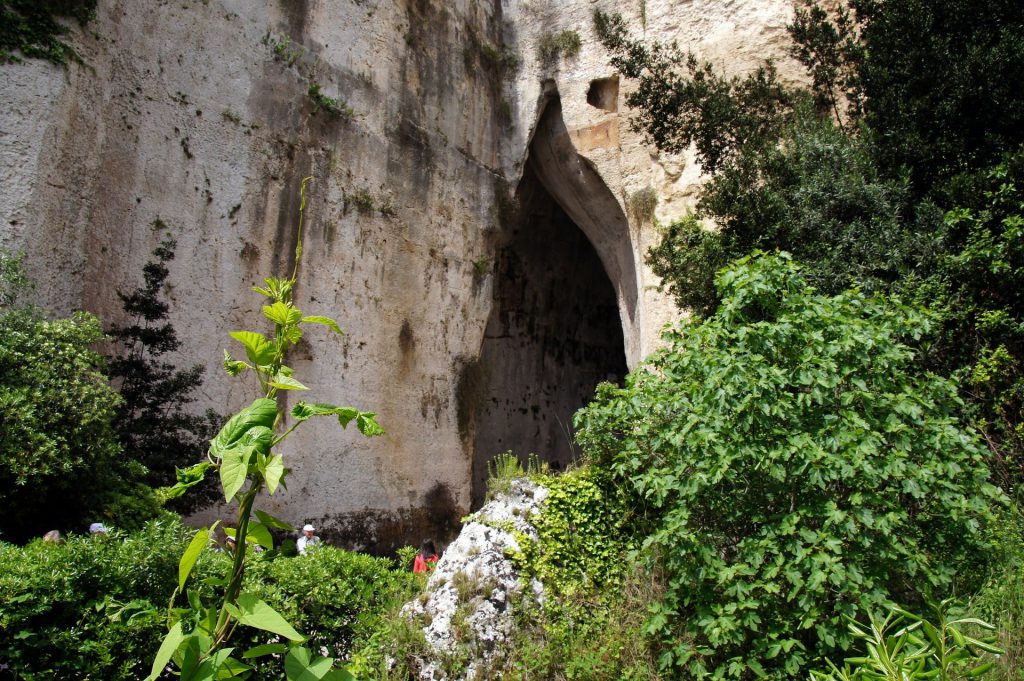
(466,602)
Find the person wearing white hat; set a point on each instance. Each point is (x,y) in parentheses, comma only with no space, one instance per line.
(308,540)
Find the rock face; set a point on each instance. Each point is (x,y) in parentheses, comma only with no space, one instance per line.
(471,223)
(465,606)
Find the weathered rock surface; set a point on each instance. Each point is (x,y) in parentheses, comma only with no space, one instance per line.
(463,338)
(466,601)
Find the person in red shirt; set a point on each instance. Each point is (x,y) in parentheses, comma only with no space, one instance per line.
(426,558)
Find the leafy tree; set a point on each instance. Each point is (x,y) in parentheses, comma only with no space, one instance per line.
(59,456)
(153,423)
(795,465)
(816,194)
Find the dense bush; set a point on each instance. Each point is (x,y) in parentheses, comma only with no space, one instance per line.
(95,608)
(795,466)
(57,444)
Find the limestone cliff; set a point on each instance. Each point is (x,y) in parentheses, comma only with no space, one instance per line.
(469,223)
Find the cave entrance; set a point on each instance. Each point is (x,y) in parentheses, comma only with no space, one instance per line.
(556,326)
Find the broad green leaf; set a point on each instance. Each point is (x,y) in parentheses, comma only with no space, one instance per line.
(341,674)
(326,321)
(191,555)
(258,349)
(273,472)
(299,665)
(306,410)
(367,424)
(260,534)
(345,415)
(282,314)
(286,383)
(262,412)
(234,467)
(271,521)
(170,644)
(253,612)
(231,668)
(268,649)
(260,438)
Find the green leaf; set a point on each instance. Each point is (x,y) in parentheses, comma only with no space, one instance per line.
(187,477)
(191,555)
(282,314)
(234,467)
(271,521)
(171,642)
(260,438)
(367,424)
(287,383)
(262,412)
(253,612)
(259,533)
(231,668)
(326,321)
(267,649)
(274,472)
(305,410)
(299,665)
(258,349)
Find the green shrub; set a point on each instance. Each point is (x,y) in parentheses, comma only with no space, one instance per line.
(59,455)
(90,607)
(795,466)
(96,607)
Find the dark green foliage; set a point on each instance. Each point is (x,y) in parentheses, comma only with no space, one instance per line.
(679,100)
(795,465)
(941,80)
(817,195)
(96,608)
(153,424)
(977,286)
(87,608)
(30,28)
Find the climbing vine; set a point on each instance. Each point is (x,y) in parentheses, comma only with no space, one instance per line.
(31,29)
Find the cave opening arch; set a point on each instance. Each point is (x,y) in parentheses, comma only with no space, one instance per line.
(564,307)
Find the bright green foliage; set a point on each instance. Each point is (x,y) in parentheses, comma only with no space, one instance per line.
(795,466)
(58,449)
(93,608)
(582,539)
(87,608)
(30,28)
(589,625)
(907,647)
(243,453)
